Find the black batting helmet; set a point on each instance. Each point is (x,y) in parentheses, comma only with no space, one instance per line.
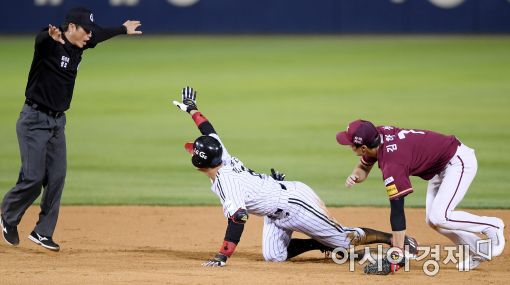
(207,152)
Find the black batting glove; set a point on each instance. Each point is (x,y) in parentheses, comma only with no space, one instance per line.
(189,97)
(219,260)
(278,176)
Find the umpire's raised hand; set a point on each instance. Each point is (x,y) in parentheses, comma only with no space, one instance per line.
(131,27)
(189,97)
(55,34)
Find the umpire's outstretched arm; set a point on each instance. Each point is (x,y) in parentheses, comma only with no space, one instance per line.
(101,34)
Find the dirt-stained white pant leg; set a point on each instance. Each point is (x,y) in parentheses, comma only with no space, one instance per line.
(275,241)
(458,237)
(456,179)
(308,214)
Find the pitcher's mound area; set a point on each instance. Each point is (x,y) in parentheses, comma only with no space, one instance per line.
(166,245)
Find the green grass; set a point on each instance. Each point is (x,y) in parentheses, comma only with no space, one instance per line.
(276,102)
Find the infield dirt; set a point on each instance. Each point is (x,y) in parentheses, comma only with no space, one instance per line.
(166,245)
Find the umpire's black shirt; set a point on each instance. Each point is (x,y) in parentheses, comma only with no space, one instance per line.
(55,66)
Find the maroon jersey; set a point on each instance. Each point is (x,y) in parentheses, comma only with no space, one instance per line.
(403,153)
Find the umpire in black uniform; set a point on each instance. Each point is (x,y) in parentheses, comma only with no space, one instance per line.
(41,124)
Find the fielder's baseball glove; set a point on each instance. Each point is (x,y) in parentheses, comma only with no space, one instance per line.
(387,267)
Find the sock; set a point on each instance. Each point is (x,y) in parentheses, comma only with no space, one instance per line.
(299,246)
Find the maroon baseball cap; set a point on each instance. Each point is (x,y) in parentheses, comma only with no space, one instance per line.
(358,132)
(82,17)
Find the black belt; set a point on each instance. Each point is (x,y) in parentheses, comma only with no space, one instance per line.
(43,109)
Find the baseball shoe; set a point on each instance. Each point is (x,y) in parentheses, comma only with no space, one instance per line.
(46,242)
(497,237)
(9,233)
(412,246)
(328,252)
(325,249)
(471,263)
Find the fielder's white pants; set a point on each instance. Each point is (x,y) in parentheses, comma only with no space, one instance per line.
(444,193)
(305,213)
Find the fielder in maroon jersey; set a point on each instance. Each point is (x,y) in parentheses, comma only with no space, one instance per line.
(444,161)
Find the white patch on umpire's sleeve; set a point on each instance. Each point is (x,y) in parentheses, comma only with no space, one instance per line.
(388,181)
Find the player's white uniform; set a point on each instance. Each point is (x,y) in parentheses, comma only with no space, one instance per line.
(445,191)
(287,206)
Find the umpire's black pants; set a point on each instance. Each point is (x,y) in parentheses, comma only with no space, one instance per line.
(42,147)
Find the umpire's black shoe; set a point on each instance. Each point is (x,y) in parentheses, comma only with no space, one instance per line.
(9,233)
(46,242)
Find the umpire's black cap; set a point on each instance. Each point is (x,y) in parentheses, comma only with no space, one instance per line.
(82,17)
